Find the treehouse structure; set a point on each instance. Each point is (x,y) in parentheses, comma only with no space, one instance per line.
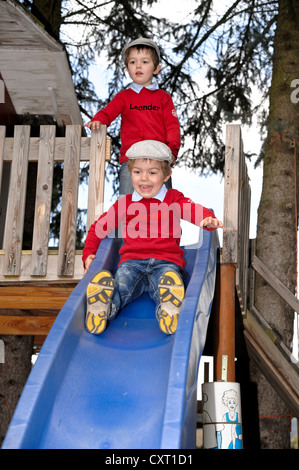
(40,123)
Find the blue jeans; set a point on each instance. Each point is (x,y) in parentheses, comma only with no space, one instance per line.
(135,277)
(125,181)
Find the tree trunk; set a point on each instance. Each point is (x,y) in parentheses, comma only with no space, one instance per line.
(277,216)
(13,375)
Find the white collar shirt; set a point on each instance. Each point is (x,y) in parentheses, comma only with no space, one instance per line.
(160,195)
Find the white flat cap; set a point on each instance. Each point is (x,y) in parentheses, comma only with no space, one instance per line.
(152,149)
(141,42)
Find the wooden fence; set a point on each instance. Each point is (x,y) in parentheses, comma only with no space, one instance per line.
(40,263)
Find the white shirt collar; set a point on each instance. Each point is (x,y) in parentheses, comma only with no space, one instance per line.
(160,195)
(137,88)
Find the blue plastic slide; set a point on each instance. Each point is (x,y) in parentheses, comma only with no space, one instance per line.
(132,387)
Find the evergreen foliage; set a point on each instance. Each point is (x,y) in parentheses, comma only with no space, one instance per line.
(212,62)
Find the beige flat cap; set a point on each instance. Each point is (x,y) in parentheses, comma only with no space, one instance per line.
(152,149)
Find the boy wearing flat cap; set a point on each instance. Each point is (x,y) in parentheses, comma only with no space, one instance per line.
(150,257)
(146,111)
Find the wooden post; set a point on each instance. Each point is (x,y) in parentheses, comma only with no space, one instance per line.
(42,212)
(68,220)
(96,175)
(13,236)
(234,252)
(225,326)
(2,137)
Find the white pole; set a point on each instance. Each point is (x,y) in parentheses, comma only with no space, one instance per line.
(221,416)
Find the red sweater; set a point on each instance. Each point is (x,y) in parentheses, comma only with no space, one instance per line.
(148,115)
(151,229)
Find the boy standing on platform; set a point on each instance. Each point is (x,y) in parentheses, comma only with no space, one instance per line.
(147,112)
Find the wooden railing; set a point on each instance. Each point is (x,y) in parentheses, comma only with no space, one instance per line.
(272,356)
(40,263)
(236,216)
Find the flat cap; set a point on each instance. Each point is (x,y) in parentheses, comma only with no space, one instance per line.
(141,42)
(152,149)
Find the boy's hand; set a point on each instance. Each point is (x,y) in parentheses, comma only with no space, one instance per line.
(88,262)
(173,159)
(93,125)
(212,222)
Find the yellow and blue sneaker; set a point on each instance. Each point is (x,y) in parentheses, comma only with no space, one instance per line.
(99,294)
(171,292)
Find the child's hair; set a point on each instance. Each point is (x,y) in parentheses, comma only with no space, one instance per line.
(165,165)
(139,47)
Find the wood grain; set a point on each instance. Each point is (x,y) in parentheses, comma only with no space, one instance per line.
(43,200)
(13,235)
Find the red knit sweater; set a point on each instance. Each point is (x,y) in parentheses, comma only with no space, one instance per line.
(151,229)
(148,115)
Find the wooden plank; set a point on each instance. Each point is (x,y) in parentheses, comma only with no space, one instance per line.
(67,94)
(255,317)
(31,297)
(231,194)
(274,282)
(42,212)
(51,276)
(284,350)
(68,220)
(108,149)
(273,374)
(25,325)
(59,149)
(251,273)
(2,140)
(35,34)
(236,212)
(96,176)
(16,202)
(39,341)
(273,347)
(243,236)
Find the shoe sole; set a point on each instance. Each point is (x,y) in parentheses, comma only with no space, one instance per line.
(171,293)
(99,294)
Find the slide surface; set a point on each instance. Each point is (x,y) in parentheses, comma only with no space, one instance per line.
(132,387)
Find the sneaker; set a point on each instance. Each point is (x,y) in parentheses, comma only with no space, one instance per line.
(171,292)
(99,294)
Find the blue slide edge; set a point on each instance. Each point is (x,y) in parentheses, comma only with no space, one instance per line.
(179,420)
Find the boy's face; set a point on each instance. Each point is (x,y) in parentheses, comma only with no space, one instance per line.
(147,177)
(141,66)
